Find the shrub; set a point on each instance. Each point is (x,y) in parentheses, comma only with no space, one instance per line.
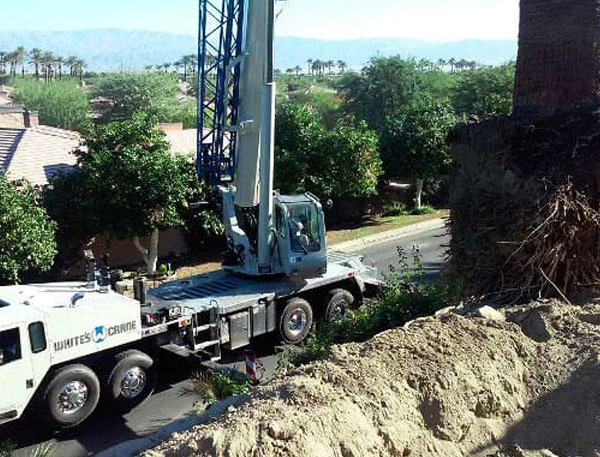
(59,103)
(27,238)
(405,296)
(213,386)
(339,162)
(151,93)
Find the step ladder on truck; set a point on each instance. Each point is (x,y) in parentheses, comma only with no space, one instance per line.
(64,347)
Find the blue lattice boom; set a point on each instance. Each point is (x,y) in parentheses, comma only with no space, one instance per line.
(219,50)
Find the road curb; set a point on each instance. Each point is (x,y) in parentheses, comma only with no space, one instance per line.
(384,237)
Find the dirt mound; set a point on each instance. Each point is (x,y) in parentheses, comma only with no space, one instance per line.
(445,386)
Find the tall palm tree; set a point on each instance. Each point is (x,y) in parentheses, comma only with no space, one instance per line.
(48,65)
(71,62)
(11,58)
(35,59)
(342,65)
(193,63)
(297,70)
(3,60)
(79,67)
(452,63)
(442,63)
(20,59)
(59,62)
(310,66)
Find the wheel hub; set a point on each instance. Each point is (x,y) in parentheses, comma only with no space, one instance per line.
(133,382)
(297,322)
(72,397)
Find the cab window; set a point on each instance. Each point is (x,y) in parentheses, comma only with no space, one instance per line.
(304,227)
(10,346)
(37,338)
(280,221)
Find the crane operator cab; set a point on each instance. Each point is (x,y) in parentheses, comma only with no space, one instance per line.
(301,243)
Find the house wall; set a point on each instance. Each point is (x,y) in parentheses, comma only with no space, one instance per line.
(123,253)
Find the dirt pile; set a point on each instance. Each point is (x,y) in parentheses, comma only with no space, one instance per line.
(444,386)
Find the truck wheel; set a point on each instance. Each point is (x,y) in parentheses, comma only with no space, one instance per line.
(72,396)
(132,379)
(340,301)
(296,320)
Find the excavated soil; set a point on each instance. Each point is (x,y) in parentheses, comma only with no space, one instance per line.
(442,386)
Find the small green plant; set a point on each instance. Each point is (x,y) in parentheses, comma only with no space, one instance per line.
(163,270)
(405,296)
(394,210)
(213,386)
(425,209)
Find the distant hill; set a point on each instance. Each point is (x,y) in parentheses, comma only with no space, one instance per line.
(109,50)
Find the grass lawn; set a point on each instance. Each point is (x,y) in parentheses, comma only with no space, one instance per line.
(378,225)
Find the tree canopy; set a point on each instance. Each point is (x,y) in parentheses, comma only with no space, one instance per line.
(414,141)
(27,240)
(485,91)
(339,162)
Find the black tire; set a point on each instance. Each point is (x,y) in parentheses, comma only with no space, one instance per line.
(69,381)
(296,311)
(138,368)
(339,302)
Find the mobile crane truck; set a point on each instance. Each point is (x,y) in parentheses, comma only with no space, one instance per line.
(66,346)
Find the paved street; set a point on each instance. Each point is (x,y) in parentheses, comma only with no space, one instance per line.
(169,403)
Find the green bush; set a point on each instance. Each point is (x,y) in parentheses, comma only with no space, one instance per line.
(405,296)
(213,386)
(59,103)
(487,91)
(152,93)
(339,162)
(394,210)
(27,236)
(425,209)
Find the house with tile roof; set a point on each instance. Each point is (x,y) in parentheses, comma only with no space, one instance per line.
(33,152)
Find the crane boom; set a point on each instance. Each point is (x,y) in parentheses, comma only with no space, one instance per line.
(267,233)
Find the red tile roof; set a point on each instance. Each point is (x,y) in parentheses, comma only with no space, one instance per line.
(37,154)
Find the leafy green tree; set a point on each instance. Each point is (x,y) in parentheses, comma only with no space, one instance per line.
(59,103)
(153,93)
(413,142)
(27,239)
(485,91)
(129,185)
(381,89)
(339,162)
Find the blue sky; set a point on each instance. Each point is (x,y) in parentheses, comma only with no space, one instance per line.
(432,20)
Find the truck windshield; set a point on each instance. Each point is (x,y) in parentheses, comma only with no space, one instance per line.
(10,346)
(304,227)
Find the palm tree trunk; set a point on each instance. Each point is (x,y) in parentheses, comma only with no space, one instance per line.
(558,67)
(419,193)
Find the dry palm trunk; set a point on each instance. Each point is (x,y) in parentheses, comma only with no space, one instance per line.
(525,191)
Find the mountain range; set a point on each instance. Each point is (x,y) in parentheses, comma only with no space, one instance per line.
(110,50)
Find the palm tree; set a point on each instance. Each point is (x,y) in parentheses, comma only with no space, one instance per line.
(310,66)
(442,63)
(193,63)
(329,64)
(452,63)
(35,59)
(59,62)
(47,62)
(71,62)
(290,71)
(297,70)
(342,65)
(79,66)
(148,67)
(166,66)
(3,60)
(20,55)
(12,61)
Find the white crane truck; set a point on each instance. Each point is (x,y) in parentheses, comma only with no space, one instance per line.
(66,346)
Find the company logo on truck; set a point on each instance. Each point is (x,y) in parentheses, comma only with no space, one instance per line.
(98,336)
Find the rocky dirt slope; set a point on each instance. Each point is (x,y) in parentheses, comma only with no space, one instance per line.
(445,386)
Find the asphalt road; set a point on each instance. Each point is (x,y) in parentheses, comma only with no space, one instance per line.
(171,401)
